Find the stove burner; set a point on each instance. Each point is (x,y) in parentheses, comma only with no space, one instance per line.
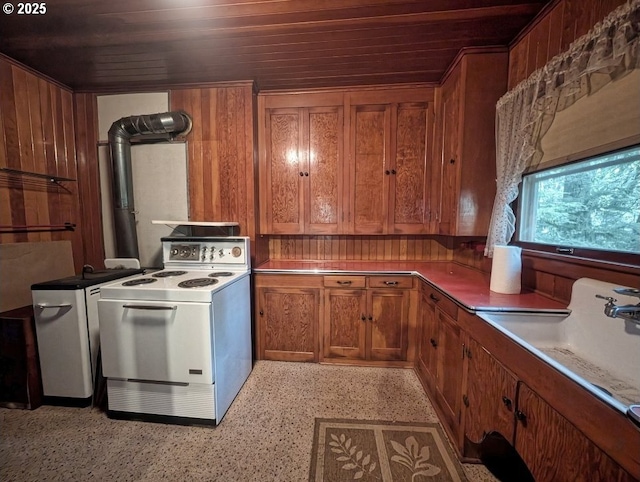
(167,274)
(197,282)
(220,274)
(139,281)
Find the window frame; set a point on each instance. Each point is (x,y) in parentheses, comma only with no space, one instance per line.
(568,251)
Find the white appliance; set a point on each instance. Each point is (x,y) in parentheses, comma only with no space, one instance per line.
(176,344)
(66,321)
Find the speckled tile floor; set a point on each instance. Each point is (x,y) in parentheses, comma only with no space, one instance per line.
(265,436)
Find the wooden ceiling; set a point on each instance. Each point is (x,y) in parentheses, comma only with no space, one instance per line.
(125,45)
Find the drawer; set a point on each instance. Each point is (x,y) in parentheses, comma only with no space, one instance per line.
(435,298)
(405,282)
(341,281)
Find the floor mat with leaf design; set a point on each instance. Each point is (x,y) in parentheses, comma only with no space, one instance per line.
(345,450)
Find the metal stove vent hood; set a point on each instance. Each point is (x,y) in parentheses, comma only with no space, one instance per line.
(152,127)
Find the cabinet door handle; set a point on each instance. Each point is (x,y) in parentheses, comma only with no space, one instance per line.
(452,161)
(465,400)
(344,283)
(434,297)
(393,171)
(306,173)
(387,172)
(41,306)
(261,313)
(433,342)
(301,173)
(391,283)
(362,317)
(370,318)
(507,402)
(521,416)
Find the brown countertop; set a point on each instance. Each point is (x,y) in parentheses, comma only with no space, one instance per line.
(466,286)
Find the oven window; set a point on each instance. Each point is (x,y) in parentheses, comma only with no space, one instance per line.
(593,203)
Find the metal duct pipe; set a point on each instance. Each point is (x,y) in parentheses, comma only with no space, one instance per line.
(155,126)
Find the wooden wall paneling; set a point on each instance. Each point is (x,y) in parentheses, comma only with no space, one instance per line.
(88,185)
(10,196)
(564,23)
(375,248)
(518,63)
(40,206)
(552,274)
(38,136)
(221,153)
(555,17)
(539,44)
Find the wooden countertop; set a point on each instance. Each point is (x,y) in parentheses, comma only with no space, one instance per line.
(466,286)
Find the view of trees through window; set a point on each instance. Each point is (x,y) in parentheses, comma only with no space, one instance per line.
(590,204)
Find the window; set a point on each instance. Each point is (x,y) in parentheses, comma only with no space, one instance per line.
(593,204)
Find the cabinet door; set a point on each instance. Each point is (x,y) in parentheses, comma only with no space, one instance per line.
(449,377)
(324,178)
(345,324)
(554,449)
(388,324)
(449,161)
(284,173)
(490,395)
(428,342)
(370,139)
(289,320)
(408,201)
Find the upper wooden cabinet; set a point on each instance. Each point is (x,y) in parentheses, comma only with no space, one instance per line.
(465,162)
(388,146)
(346,162)
(301,168)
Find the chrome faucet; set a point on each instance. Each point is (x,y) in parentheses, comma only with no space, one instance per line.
(627,312)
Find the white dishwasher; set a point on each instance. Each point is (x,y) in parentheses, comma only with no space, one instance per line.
(67,333)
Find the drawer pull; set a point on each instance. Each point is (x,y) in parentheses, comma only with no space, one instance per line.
(362,317)
(521,416)
(150,307)
(344,283)
(433,342)
(507,402)
(434,297)
(391,283)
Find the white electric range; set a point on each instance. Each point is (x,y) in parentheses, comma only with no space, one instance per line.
(176,343)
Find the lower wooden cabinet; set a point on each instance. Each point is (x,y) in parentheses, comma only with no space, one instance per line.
(489,395)
(501,399)
(439,359)
(345,324)
(370,323)
(287,318)
(333,318)
(449,373)
(554,449)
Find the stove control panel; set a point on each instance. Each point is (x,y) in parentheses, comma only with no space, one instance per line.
(231,251)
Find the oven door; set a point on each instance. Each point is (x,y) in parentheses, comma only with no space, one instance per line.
(156,341)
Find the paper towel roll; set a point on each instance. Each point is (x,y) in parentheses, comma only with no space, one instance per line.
(506,270)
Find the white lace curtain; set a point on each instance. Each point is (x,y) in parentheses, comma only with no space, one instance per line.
(524,114)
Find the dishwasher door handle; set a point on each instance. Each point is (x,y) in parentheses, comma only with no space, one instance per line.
(63,305)
(150,307)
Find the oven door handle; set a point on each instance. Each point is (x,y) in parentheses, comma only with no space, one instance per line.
(40,306)
(150,307)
